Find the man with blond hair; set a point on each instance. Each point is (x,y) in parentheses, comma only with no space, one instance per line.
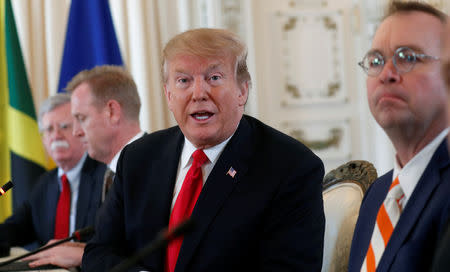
(253,193)
(106,105)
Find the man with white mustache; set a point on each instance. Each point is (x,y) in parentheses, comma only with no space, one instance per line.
(47,214)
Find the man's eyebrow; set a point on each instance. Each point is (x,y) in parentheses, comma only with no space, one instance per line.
(374,50)
(415,48)
(214,67)
(180,71)
(210,68)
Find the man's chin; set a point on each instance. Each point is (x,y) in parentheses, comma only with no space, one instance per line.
(58,158)
(91,154)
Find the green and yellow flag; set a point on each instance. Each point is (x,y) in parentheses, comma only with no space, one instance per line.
(22,155)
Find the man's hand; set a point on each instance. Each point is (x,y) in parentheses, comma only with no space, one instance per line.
(66,255)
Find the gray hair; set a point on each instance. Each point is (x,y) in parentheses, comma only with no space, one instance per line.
(51,103)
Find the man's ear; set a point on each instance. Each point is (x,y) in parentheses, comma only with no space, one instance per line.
(113,111)
(168,95)
(243,93)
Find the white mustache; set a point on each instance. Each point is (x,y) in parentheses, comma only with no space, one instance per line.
(59,144)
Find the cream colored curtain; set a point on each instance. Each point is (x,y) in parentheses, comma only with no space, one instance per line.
(142,28)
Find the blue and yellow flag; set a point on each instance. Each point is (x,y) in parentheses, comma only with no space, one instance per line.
(22,155)
(90,39)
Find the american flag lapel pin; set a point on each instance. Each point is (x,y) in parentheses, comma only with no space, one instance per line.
(231,172)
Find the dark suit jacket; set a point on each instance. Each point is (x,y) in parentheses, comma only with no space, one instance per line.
(269,217)
(441,259)
(35,218)
(420,225)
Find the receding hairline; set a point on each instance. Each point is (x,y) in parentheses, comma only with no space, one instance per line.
(397,7)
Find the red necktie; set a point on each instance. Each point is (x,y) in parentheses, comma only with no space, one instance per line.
(63,210)
(190,190)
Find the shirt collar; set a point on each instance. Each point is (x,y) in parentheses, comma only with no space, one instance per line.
(74,173)
(113,164)
(410,174)
(212,153)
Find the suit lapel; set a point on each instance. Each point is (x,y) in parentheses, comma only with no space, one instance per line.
(422,193)
(164,174)
(217,189)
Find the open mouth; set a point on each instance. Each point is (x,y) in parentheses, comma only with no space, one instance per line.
(202,115)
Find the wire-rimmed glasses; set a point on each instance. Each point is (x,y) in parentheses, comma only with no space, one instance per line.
(404,60)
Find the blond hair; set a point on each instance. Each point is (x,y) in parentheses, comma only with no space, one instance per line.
(207,43)
(110,82)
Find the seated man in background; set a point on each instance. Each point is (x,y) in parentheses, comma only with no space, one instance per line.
(106,105)
(255,194)
(64,199)
(402,214)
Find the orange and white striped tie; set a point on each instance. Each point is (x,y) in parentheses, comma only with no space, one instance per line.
(387,218)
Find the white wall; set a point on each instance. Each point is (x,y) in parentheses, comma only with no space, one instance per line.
(282,52)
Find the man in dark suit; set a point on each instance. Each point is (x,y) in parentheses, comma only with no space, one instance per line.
(442,257)
(105,104)
(36,220)
(403,213)
(254,194)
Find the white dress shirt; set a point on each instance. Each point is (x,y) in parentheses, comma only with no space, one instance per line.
(410,174)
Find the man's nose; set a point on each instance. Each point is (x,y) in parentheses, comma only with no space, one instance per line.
(389,74)
(77,130)
(200,90)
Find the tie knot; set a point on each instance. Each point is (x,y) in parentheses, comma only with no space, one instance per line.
(65,183)
(199,157)
(109,173)
(64,178)
(395,191)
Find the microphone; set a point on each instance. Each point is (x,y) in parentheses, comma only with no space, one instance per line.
(161,240)
(76,235)
(6,187)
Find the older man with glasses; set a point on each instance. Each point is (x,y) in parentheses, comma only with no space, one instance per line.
(403,213)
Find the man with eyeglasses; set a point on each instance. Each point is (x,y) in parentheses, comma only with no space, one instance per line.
(403,213)
(64,199)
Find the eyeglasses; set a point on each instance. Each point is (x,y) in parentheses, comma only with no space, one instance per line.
(404,60)
(63,126)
